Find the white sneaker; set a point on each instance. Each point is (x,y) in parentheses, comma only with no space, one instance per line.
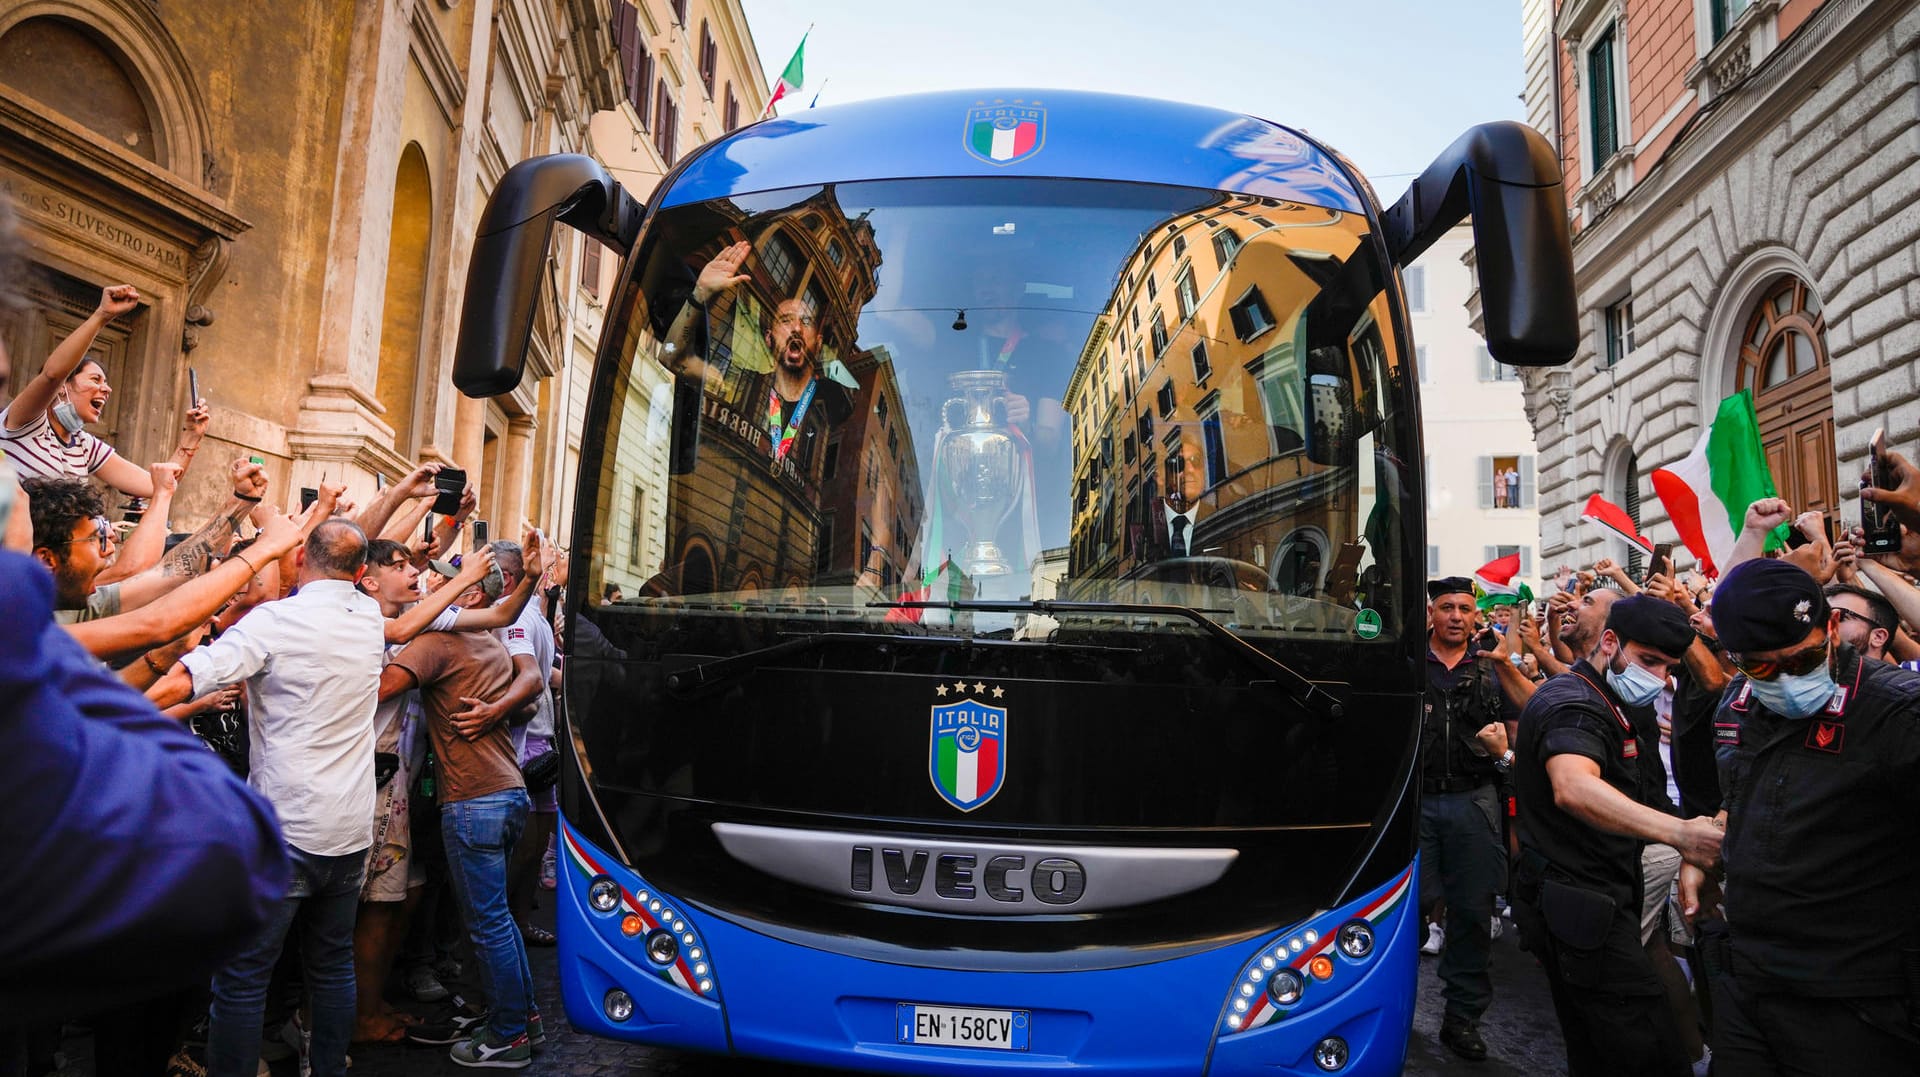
(1435,936)
(1498,926)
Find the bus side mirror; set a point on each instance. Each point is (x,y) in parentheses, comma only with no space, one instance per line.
(1505,176)
(510,257)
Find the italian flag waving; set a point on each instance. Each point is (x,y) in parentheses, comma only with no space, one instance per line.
(1493,584)
(792,77)
(1707,493)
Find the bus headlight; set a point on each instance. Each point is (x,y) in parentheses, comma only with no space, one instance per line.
(618,1005)
(1330,1054)
(1285,987)
(603,894)
(662,948)
(1356,939)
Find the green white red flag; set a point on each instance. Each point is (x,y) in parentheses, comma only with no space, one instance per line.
(1707,494)
(792,77)
(1493,584)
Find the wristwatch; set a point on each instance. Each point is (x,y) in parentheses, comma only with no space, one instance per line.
(1504,761)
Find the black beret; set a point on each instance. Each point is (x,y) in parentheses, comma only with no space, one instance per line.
(1651,621)
(1450,585)
(1766,604)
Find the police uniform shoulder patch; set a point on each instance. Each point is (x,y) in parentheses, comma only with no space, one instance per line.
(1726,733)
(1825,736)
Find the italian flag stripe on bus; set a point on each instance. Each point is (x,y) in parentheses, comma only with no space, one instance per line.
(1000,144)
(960,771)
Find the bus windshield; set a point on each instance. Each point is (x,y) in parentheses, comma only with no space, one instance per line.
(883,401)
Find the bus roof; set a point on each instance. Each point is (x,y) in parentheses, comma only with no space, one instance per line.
(1018,132)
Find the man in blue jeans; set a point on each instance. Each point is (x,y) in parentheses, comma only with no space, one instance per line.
(311,667)
(464,678)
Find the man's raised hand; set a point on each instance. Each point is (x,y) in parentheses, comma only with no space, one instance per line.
(723,272)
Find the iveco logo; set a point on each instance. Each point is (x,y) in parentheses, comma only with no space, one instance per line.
(972,877)
(1055,880)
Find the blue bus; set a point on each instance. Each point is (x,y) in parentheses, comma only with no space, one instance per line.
(1012,500)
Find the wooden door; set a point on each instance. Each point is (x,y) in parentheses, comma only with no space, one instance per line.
(1783,359)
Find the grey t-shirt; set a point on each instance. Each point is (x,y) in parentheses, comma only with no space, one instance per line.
(103,602)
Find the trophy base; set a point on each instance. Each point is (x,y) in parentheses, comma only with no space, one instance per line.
(984,559)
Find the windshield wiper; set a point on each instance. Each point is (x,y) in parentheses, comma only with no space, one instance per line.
(719,670)
(1310,694)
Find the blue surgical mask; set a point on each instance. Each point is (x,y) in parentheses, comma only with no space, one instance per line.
(1796,697)
(1634,685)
(69,419)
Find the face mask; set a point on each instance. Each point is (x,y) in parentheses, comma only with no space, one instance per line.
(1634,685)
(69,419)
(1796,697)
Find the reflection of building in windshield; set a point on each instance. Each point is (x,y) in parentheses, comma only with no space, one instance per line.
(870,482)
(1190,415)
(758,502)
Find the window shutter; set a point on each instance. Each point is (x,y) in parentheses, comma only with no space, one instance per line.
(1433,560)
(1526,482)
(1488,372)
(1526,560)
(1601,97)
(1420,361)
(1486,483)
(1489,554)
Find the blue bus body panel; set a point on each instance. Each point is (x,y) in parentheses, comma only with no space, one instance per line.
(1062,133)
(779,1000)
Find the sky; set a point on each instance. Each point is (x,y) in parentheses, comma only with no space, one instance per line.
(1387,82)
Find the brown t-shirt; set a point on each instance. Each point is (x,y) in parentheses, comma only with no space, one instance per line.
(449,665)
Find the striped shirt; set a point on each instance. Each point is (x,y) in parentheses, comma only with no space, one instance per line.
(37,453)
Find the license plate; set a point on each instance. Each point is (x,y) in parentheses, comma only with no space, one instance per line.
(956,1026)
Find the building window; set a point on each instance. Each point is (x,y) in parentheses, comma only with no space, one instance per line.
(590,266)
(636,63)
(1420,361)
(1603,101)
(1416,280)
(1145,428)
(1725,14)
(1188,297)
(1506,482)
(1153,290)
(1619,331)
(709,58)
(1226,244)
(1166,400)
(636,526)
(733,109)
(836,253)
(1433,561)
(1216,445)
(1494,553)
(1201,366)
(1159,331)
(1250,315)
(1129,449)
(880,411)
(782,262)
(832,465)
(1492,369)
(1179,246)
(679,11)
(666,116)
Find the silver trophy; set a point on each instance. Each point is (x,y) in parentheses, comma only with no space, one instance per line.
(982,463)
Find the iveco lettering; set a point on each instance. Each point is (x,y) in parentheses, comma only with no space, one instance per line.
(1015,496)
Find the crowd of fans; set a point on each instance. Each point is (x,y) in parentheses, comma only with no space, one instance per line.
(277,758)
(1649,741)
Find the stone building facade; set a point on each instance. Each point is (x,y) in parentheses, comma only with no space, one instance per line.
(1742,182)
(294,188)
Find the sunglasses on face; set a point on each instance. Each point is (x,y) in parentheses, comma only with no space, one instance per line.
(788,319)
(1868,621)
(1794,665)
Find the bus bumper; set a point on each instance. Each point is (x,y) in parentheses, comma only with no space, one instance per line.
(779,1000)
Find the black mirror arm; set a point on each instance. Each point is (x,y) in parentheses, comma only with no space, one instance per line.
(1506,152)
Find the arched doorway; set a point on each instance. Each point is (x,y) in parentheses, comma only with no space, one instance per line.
(1783,360)
(408,247)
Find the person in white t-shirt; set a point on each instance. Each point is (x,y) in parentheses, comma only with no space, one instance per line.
(42,430)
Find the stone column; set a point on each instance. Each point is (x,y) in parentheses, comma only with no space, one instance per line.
(517,479)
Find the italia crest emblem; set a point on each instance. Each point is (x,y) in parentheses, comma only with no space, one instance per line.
(967,755)
(1002,132)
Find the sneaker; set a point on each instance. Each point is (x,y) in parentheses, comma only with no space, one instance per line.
(1463,1039)
(487,1050)
(536,1032)
(296,1036)
(1499,925)
(424,986)
(549,868)
(461,1026)
(187,1062)
(1435,936)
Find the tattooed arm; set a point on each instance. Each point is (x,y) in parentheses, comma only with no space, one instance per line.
(188,559)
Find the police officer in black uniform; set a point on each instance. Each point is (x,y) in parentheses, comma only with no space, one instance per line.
(1471,699)
(1819,754)
(1588,804)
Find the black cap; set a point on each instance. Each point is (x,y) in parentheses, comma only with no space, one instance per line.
(1766,604)
(1449,585)
(1653,622)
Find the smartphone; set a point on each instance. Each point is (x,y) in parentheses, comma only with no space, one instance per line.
(308,495)
(261,460)
(451,482)
(426,528)
(1662,553)
(1880,528)
(479,533)
(193,389)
